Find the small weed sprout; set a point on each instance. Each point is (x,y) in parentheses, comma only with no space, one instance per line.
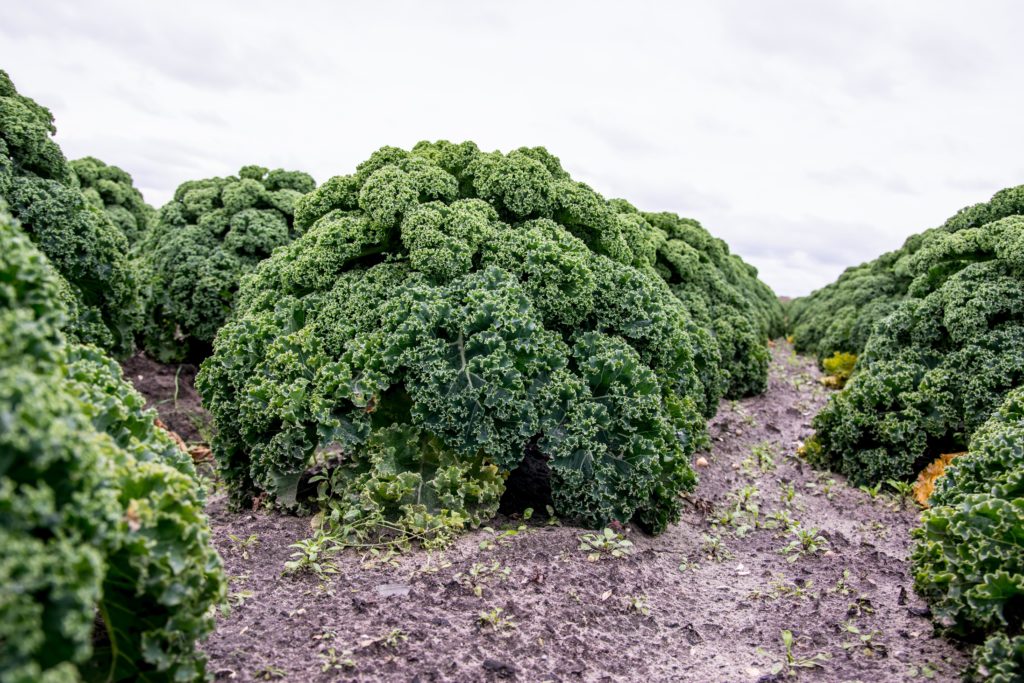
(743,513)
(742,413)
(726,517)
(496,620)
(793,663)
(430,566)
(552,518)
(269,673)
(480,574)
(824,486)
(865,640)
(608,543)
(872,491)
(715,548)
(746,498)
(502,537)
(764,456)
(381,557)
(782,520)
(780,588)
(332,660)
(244,545)
(313,555)
(842,586)
(903,489)
(925,671)
(788,494)
(804,542)
(639,604)
(393,638)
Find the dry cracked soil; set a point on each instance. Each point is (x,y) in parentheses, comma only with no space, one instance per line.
(766,546)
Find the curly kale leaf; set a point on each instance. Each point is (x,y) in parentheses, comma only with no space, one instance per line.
(111,190)
(840,317)
(968,556)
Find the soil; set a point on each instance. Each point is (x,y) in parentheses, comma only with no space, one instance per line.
(170,389)
(706,601)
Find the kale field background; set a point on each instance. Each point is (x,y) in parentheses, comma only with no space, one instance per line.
(447,412)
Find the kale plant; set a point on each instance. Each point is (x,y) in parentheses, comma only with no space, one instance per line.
(110,189)
(85,247)
(445,311)
(938,366)
(1000,659)
(722,294)
(841,316)
(107,571)
(969,553)
(207,237)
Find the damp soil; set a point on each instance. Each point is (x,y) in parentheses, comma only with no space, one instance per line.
(170,389)
(706,601)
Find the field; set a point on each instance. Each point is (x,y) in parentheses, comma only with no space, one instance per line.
(456,416)
(521,601)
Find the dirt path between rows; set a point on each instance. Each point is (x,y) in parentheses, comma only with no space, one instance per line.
(706,601)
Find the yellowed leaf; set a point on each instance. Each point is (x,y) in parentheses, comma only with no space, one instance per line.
(925,484)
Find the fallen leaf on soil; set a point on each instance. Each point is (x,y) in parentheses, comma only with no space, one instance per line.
(173,434)
(201,454)
(925,484)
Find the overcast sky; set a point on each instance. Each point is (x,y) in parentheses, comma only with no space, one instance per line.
(809,135)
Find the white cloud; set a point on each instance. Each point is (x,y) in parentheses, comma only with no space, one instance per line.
(810,136)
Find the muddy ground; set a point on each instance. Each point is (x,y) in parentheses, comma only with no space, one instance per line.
(706,601)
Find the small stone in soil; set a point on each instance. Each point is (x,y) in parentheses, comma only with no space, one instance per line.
(389,590)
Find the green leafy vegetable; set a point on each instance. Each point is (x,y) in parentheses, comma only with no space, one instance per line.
(445,309)
(110,189)
(939,365)
(99,511)
(969,553)
(207,237)
(842,315)
(85,247)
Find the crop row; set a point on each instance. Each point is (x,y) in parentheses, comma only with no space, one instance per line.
(939,329)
